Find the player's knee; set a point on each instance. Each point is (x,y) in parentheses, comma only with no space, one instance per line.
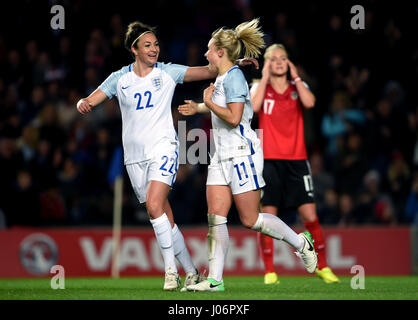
(154,207)
(248,222)
(219,208)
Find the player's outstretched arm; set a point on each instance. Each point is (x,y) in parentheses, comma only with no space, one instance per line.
(85,105)
(200,73)
(190,108)
(208,72)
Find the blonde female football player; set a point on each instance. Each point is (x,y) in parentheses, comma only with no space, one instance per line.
(235,171)
(280,103)
(144,90)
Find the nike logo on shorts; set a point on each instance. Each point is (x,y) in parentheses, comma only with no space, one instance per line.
(242,184)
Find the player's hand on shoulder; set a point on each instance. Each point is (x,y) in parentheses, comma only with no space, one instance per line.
(247,61)
(188,109)
(83,106)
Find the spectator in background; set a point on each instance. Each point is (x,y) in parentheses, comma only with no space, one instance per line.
(25,201)
(11,161)
(81,133)
(374,205)
(44,170)
(70,180)
(328,212)
(112,122)
(368,196)
(346,209)
(335,36)
(13,72)
(53,210)
(67,115)
(339,121)
(323,181)
(381,137)
(116,38)
(384,212)
(350,164)
(31,56)
(12,126)
(53,95)
(30,110)
(49,128)
(97,51)
(411,208)
(399,178)
(27,144)
(65,60)
(356,83)
(41,68)
(91,80)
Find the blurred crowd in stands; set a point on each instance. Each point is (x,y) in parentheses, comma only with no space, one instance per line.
(361,135)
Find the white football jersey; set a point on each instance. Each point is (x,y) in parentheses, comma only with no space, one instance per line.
(145,105)
(229,141)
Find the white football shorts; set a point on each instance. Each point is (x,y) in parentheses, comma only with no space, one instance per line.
(162,167)
(241,174)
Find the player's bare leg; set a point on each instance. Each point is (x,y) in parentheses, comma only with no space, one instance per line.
(156,203)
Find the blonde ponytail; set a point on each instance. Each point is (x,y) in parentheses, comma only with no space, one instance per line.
(249,33)
(252,37)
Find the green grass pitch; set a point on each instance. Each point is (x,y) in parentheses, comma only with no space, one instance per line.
(236,288)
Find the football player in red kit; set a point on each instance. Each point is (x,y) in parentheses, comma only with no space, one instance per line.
(279,103)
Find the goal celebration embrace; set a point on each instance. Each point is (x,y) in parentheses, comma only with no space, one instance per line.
(144,90)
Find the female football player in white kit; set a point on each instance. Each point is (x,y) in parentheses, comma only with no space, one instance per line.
(235,170)
(144,90)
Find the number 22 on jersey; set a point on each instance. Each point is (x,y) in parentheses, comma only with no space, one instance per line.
(147,96)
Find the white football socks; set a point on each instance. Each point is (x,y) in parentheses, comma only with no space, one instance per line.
(181,252)
(163,233)
(274,227)
(218,242)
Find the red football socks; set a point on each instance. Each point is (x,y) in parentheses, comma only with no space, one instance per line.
(265,244)
(315,229)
